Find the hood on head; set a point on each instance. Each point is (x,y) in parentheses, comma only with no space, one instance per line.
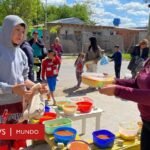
(9,23)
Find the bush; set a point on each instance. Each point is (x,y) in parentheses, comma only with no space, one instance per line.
(126,56)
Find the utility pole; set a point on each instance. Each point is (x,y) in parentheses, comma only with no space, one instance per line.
(148,27)
(46,14)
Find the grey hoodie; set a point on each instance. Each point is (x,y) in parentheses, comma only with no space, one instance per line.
(13,62)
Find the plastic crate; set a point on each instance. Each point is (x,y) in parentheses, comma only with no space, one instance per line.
(51,125)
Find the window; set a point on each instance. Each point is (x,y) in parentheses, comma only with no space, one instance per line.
(111,33)
(99,33)
(94,33)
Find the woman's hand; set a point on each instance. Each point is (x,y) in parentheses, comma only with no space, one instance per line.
(108,90)
(19,89)
(43,89)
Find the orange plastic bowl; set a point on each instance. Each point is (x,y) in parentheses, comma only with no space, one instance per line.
(74,145)
(48,116)
(85,106)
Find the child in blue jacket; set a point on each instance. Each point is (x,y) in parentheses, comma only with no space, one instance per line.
(117,58)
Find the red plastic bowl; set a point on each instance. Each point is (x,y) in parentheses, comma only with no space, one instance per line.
(4,147)
(48,116)
(85,106)
(86,98)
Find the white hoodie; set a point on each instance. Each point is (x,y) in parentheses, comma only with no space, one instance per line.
(13,62)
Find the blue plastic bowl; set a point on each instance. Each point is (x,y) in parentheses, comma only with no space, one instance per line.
(103,143)
(47,108)
(64,139)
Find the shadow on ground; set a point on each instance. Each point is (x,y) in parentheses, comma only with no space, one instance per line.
(74,91)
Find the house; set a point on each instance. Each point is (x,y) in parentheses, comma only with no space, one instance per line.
(74,35)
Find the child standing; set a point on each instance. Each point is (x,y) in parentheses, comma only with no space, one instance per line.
(50,69)
(117,58)
(57,47)
(79,64)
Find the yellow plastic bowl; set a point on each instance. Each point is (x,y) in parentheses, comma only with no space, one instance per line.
(128,130)
(127,137)
(70,109)
(34,121)
(60,104)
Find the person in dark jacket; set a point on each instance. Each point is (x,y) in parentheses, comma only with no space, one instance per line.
(117,58)
(139,51)
(38,52)
(25,46)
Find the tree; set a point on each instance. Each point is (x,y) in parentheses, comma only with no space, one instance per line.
(30,10)
(33,11)
(80,11)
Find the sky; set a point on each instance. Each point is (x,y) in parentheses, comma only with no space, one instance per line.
(132,13)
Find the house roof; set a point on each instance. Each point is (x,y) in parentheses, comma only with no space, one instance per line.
(140,28)
(78,22)
(133,28)
(72,20)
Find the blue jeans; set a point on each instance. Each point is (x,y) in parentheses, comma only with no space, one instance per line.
(51,83)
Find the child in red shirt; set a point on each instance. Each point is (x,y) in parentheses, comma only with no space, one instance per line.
(50,70)
(57,47)
(79,64)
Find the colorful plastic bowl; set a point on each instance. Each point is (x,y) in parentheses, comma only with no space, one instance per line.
(34,121)
(85,106)
(64,134)
(48,116)
(78,145)
(60,104)
(128,130)
(103,138)
(51,125)
(70,109)
(47,108)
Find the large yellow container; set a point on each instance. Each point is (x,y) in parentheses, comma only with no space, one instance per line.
(96,80)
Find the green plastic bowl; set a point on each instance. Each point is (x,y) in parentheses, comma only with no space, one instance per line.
(51,125)
(60,104)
